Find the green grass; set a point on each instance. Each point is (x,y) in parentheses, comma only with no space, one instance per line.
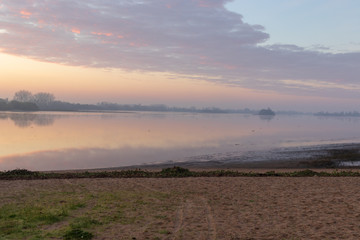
(84,222)
(164,232)
(19,220)
(78,234)
(32,212)
(80,215)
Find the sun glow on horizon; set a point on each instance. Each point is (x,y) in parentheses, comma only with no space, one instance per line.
(92,85)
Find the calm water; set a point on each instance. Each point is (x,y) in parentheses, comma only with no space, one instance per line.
(56,141)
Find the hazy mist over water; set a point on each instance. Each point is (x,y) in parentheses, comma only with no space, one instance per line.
(59,141)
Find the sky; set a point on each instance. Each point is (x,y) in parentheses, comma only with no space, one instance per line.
(285,54)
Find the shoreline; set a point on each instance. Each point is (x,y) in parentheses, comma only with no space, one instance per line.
(344,156)
(326,157)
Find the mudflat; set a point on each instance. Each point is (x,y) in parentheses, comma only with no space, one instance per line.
(182,208)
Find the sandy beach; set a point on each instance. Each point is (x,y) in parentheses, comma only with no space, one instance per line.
(202,208)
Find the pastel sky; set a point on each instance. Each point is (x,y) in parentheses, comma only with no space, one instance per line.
(286,54)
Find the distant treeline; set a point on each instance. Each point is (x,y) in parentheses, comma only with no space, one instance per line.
(106,106)
(164,108)
(14,105)
(17,106)
(338,114)
(26,101)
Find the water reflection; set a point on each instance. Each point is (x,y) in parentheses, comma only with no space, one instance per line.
(91,158)
(100,140)
(340,118)
(24,120)
(266,117)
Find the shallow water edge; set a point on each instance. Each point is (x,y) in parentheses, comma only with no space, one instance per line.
(343,156)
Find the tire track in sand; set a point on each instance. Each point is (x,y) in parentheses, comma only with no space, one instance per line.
(179,218)
(209,219)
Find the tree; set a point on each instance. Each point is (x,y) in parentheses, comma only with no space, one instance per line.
(3,105)
(23,96)
(43,99)
(267,112)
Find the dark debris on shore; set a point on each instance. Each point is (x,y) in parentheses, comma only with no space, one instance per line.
(175,172)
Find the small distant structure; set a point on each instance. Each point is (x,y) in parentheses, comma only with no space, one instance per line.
(266,112)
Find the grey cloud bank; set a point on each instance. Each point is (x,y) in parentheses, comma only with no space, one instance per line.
(191,37)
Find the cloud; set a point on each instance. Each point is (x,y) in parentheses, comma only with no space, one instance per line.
(192,37)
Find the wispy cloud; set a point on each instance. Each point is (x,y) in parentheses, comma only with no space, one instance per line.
(192,37)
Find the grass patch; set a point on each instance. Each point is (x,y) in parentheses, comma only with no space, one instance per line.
(166,232)
(175,172)
(74,206)
(78,234)
(84,222)
(17,221)
(35,211)
(57,217)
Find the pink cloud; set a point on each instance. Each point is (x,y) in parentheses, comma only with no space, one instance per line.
(102,34)
(75,30)
(25,14)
